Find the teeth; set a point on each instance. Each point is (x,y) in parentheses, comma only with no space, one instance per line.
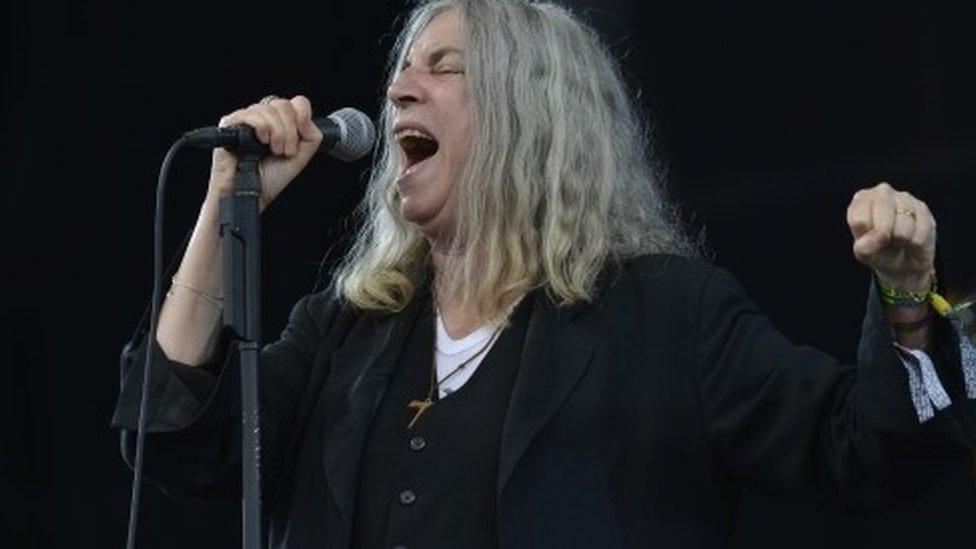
(410,132)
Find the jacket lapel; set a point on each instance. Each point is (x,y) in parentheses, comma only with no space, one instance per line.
(366,369)
(555,354)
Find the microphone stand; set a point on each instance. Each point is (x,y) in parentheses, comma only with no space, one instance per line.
(240,235)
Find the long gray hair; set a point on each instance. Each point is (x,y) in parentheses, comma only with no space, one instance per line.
(559,184)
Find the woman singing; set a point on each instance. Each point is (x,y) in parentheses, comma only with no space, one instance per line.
(522,347)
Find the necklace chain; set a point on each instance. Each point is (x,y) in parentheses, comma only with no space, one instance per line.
(437,384)
(421,406)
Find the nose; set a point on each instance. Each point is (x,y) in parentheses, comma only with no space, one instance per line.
(405,90)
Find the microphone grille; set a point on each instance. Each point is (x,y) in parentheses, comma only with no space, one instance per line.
(357,134)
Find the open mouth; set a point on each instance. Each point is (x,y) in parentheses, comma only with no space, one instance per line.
(417,147)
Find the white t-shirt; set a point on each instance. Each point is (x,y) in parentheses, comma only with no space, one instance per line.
(449,353)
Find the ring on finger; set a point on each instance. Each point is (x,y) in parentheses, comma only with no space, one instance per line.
(905,211)
(267,99)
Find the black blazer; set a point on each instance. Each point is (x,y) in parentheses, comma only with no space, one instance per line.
(634,422)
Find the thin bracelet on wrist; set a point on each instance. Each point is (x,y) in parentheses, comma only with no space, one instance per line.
(912,326)
(217,302)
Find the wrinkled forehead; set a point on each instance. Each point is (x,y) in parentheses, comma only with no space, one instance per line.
(441,36)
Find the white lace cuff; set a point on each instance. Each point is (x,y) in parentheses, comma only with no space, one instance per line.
(927,392)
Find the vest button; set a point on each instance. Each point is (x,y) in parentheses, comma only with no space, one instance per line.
(407,497)
(417,444)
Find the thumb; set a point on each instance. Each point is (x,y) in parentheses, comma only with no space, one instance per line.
(309,131)
(870,244)
(308,147)
(311,138)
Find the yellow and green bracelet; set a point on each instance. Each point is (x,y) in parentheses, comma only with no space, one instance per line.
(898,298)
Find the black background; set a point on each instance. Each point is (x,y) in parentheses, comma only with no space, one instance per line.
(769,115)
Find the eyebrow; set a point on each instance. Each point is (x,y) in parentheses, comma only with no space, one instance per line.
(436,55)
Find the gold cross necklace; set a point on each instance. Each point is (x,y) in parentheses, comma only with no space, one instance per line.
(421,406)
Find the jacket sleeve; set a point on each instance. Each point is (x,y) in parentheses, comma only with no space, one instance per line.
(193,427)
(789,420)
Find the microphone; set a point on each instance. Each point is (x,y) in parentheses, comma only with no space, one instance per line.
(347,134)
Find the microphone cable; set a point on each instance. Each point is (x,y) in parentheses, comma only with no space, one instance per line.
(351,135)
(154,313)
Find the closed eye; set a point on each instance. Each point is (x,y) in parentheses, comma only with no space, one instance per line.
(440,55)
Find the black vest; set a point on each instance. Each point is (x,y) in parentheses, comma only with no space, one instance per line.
(435,485)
